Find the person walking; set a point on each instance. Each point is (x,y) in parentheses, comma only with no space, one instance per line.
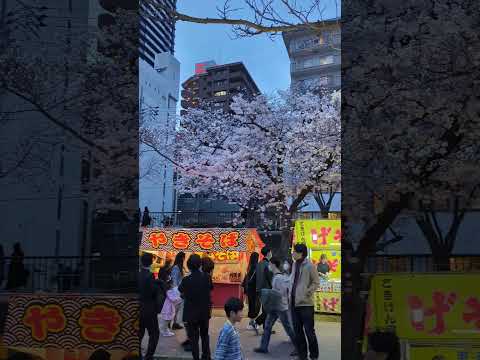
(2,265)
(280,285)
(146,218)
(305,281)
(263,281)
(148,305)
(177,275)
(195,289)
(249,285)
(17,274)
(172,299)
(228,343)
(207,267)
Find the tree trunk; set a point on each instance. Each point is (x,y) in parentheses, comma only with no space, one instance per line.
(352,311)
(353,306)
(441,261)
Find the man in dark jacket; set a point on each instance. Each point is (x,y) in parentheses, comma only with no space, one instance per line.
(195,290)
(264,280)
(148,306)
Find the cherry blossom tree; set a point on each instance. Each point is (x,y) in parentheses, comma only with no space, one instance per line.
(266,155)
(411,120)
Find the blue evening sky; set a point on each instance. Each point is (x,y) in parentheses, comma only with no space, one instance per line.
(266,60)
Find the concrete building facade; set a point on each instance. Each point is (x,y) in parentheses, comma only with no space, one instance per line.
(314,57)
(159,81)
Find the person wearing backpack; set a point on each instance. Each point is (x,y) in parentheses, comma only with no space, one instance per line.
(275,303)
(249,285)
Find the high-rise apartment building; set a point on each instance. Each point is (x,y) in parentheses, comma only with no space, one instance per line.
(315,57)
(217,84)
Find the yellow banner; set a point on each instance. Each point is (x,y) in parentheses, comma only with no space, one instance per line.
(328,302)
(429,306)
(319,234)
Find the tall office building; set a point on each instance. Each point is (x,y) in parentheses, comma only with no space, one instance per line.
(159,73)
(315,57)
(157,31)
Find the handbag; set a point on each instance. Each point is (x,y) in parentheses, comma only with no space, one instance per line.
(271,300)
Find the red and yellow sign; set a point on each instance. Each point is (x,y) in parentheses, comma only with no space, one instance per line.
(328,302)
(72,322)
(319,234)
(429,306)
(200,240)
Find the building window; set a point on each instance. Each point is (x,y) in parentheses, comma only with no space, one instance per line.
(307,43)
(326,60)
(221,93)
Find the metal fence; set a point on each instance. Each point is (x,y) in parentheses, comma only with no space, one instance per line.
(419,263)
(75,274)
(264,220)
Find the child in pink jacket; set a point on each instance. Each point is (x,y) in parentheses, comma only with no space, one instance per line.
(169,308)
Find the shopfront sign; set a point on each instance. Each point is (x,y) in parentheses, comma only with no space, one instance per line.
(328,302)
(319,234)
(426,307)
(197,240)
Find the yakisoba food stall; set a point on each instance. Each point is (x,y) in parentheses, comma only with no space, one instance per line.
(230,250)
(324,237)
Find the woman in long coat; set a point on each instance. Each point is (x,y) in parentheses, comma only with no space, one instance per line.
(250,289)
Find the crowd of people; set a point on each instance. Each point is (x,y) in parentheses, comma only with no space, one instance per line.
(274,290)
(273,293)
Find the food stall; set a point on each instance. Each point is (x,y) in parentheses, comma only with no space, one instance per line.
(432,314)
(230,250)
(323,237)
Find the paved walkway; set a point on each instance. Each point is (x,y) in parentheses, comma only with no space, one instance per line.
(328,334)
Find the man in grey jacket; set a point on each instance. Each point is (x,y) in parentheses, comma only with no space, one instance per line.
(305,282)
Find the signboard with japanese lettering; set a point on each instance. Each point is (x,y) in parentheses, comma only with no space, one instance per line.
(201,240)
(319,234)
(328,302)
(72,322)
(228,248)
(428,306)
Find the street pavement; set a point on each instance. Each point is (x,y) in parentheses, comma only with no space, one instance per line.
(328,334)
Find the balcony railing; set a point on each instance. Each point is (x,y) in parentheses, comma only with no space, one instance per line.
(265,220)
(99,274)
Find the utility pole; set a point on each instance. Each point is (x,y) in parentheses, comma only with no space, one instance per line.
(60,190)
